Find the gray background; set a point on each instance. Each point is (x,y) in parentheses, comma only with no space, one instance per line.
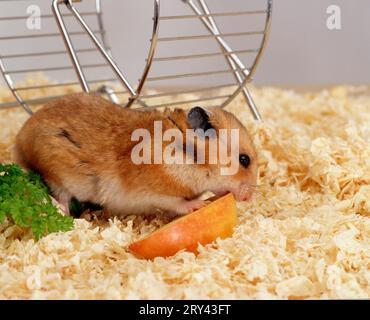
(301,50)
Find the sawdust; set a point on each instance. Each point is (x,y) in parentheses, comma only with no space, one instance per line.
(305,235)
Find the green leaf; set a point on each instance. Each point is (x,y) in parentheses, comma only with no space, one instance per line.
(24,198)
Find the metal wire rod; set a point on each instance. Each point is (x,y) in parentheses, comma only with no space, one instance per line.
(35,101)
(204,55)
(54,68)
(221,14)
(13,104)
(210,36)
(175,93)
(45,16)
(62,84)
(176,103)
(193,74)
(45,35)
(45,53)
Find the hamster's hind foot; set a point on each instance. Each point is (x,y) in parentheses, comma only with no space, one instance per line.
(63,200)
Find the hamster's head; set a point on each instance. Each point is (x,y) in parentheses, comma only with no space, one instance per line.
(230,156)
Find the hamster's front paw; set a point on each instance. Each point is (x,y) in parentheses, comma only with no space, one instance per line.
(189,206)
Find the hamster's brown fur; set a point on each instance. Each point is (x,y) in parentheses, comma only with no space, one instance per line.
(81,145)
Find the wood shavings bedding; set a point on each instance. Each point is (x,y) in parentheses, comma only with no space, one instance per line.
(305,235)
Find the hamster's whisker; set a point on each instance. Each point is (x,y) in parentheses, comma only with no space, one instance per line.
(252,187)
(258,196)
(259,185)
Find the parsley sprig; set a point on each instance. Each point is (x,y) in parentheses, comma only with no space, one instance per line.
(24,198)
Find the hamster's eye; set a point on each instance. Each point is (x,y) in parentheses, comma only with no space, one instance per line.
(244,160)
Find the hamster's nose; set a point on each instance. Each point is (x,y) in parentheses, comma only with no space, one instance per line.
(247,196)
(245,193)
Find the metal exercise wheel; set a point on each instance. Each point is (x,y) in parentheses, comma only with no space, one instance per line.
(221,69)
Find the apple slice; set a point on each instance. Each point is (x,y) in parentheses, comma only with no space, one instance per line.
(202,226)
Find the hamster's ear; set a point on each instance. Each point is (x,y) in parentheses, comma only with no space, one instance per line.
(198,118)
